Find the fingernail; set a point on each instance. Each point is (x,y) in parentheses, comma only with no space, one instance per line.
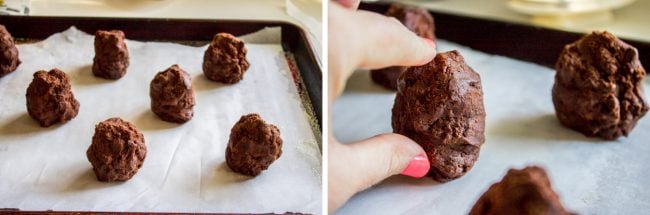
(418,167)
(430,42)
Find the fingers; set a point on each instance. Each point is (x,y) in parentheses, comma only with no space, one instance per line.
(391,43)
(361,39)
(343,60)
(360,165)
(385,155)
(351,4)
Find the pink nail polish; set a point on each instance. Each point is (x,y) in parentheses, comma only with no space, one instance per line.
(430,42)
(418,167)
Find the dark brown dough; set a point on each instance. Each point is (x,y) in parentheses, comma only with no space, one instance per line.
(225,59)
(50,99)
(253,145)
(111,55)
(598,88)
(416,19)
(387,77)
(172,96)
(440,106)
(118,150)
(525,191)
(9,60)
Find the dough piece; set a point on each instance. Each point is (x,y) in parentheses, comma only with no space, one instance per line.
(225,59)
(9,59)
(253,145)
(387,77)
(118,150)
(172,96)
(416,19)
(525,191)
(111,55)
(50,99)
(440,106)
(598,88)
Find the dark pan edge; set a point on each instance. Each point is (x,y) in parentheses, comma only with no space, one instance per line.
(542,45)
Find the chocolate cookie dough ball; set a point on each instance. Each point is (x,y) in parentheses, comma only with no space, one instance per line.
(253,145)
(598,88)
(50,99)
(9,59)
(387,77)
(525,191)
(172,96)
(111,55)
(416,19)
(225,59)
(440,106)
(118,150)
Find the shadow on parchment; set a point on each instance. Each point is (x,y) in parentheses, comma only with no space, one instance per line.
(88,181)
(361,82)
(224,176)
(202,83)
(539,127)
(84,76)
(400,180)
(148,121)
(24,124)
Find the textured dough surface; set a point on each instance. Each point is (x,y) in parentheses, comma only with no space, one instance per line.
(440,106)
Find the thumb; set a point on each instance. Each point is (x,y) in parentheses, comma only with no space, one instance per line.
(382,156)
(355,167)
(351,4)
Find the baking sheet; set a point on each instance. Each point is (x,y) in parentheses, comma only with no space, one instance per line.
(185,171)
(592,176)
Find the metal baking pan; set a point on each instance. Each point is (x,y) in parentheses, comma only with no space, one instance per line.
(299,54)
(190,32)
(543,45)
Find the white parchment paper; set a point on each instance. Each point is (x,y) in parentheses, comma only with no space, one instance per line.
(185,171)
(592,176)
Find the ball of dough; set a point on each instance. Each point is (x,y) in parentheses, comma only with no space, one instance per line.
(50,99)
(525,191)
(440,106)
(598,88)
(111,55)
(9,59)
(225,59)
(416,19)
(253,145)
(117,151)
(387,77)
(172,96)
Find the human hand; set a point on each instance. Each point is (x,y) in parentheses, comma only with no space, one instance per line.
(360,39)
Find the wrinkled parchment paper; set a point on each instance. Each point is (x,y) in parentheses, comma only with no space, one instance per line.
(185,170)
(592,176)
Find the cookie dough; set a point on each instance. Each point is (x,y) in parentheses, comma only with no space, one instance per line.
(525,191)
(225,59)
(416,19)
(9,59)
(598,88)
(172,96)
(50,99)
(440,106)
(117,151)
(387,77)
(253,145)
(111,55)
